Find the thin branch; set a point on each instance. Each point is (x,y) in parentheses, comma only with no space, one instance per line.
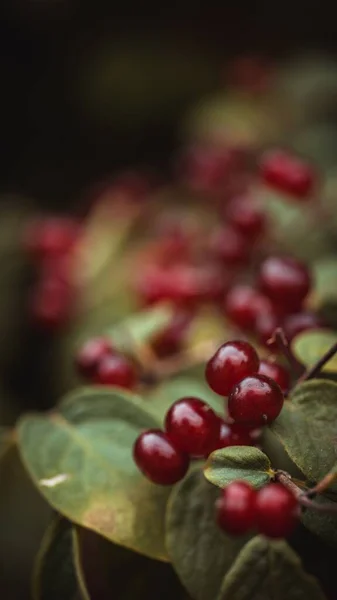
(322,485)
(280,339)
(303,500)
(317,367)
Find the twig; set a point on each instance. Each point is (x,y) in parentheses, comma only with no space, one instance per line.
(280,339)
(322,485)
(317,367)
(303,500)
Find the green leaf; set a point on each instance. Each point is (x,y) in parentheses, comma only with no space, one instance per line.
(162,397)
(325,277)
(266,570)
(55,574)
(141,327)
(238,462)
(310,346)
(199,551)
(322,524)
(108,571)
(86,469)
(307,428)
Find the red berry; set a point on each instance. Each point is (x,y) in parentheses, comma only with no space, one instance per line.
(236,508)
(275,372)
(192,426)
(171,340)
(229,246)
(257,400)
(277,511)
(232,362)
(51,237)
(243,305)
(285,280)
(231,435)
(288,174)
(158,458)
(52,303)
(245,216)
(91,354)
(115,369)
(266,324)
(303,321)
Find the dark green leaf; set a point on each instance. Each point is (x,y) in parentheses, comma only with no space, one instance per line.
(86,469)
(307,428)
(55,574)
(322,524)
(238,462)
(268,570)
(163,396)
(199,551)
(310,346)
(110,571)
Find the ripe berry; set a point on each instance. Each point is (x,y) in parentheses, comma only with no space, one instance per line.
(91,354)
(288,174)
(256,399)
(171,340)
(243,305)
(298,322)
(232,362)
(158,458)
(52,303)
(245,216)
(265,325)
(277,511)
(236,508)
(115,369)
(205,168)
(232,435)
(192,426)
(275,372)
(51,237)
(229,246)
(285,281)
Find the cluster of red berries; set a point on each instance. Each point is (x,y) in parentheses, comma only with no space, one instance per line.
(51,242)
(253,397)
(273,510)
(100,363)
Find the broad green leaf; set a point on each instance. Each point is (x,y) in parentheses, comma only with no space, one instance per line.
(238,462)
(86,469)
(307,428)
(107,571)
(199,551)
(322,524)
(310,346)
(55,574)
(266,570)
(139,328)
(159,400)
(325,277)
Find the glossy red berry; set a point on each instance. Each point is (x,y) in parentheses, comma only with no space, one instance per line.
(232,362)
(52,304)
(117,370)
(243,305)
(229,246)
(285,280)
(277,511)
(245,216)
(276,372)
(192,426)
(158,458)
(51,237)
(298,322)
(256,399)
(91,354)
(288,174)
(236,508)
(232,435)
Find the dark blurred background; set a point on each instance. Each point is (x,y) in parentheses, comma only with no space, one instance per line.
(88,86)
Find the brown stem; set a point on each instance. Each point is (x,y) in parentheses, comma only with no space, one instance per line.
(317,367)
(303,500)
(322,485)
(280,339)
